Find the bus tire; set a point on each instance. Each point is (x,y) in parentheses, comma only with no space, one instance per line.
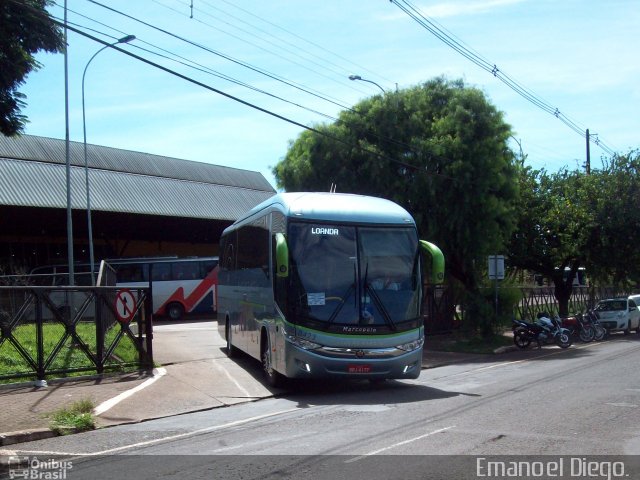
(175,311)
(231,351)
(273,378)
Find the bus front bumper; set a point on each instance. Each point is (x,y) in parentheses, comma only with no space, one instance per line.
(365,364)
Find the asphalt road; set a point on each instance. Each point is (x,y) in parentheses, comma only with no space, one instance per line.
(580,403)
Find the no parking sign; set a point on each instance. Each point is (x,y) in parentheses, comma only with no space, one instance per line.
(125,305)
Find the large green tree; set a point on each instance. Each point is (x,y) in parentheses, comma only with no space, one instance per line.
(554,227)
(612,252)
(570,220)
(439,149)
(25,29)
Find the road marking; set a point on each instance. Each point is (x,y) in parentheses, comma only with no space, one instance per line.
(504,364)
(624,405)
(107,405)
(375,452)
(233,380)
(158,440)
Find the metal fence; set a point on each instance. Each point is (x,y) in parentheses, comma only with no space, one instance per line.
(542,299)
(444,307)
(441,309)
(61,331)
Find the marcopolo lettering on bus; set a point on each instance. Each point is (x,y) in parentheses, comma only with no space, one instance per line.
(324,231)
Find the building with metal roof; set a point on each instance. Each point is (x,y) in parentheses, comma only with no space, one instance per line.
(141,204)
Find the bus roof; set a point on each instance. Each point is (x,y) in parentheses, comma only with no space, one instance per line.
(336,207)
(172,259)
(62,268)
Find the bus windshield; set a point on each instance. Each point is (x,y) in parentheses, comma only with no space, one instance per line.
(354,275)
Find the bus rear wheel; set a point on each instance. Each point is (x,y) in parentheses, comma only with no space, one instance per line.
(273,378)
(175,311)
(227,335)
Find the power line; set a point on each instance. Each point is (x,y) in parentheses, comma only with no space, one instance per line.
(265,40)
(351,63)
(222,55)
(493,69)
(297,46)
(321,74)
(199,67)
(256,107)
(357,145)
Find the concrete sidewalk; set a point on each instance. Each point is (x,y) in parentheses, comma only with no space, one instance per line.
(201,379)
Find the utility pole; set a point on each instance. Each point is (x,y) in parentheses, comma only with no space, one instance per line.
(588,164)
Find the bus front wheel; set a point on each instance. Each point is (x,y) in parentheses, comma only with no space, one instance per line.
(175,311)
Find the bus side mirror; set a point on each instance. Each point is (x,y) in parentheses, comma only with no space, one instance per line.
(282,256)
(437,261)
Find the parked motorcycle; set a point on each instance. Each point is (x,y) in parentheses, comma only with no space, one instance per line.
(600,332)
(578,325)
(545,330)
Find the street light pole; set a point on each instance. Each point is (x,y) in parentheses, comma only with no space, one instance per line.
(67,148)
(126,39)
(358,77)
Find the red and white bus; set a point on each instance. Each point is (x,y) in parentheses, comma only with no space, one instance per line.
(179,286)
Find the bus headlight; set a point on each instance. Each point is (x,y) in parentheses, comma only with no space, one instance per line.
(302,343)
(411,346)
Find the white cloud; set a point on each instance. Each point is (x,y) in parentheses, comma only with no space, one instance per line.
(454,9)
(457,9)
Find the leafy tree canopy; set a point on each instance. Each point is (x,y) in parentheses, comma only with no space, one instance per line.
(438,149)
(612,251)
(25,29)
(570,220)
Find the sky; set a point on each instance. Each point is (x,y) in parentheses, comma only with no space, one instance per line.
(293,59)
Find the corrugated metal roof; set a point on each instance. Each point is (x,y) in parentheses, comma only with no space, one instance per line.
(53,150)
(193,193)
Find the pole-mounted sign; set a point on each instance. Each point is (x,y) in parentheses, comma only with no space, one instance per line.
(125,305)
(496,267)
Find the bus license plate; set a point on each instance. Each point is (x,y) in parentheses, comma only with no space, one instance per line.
(359,368)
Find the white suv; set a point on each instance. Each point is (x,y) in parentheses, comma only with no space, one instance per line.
(619,314)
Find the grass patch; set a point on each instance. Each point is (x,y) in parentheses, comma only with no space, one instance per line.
(467,344)
(76,418)
(125,356)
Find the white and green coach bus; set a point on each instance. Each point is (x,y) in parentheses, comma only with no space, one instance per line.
(326,285)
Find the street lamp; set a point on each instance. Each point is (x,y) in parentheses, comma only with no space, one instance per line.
(358,77)
(126,39)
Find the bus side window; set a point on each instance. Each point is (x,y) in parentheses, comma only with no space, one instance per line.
(186,271)
(130,272)
(161,272)
(253,254)
(230,262)
(278,226)
(207,267)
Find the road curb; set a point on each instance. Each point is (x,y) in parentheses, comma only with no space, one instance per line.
(506,349)
(11,438)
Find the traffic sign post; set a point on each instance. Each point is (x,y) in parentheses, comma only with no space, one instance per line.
(496,272)
(125,305)
(496,267)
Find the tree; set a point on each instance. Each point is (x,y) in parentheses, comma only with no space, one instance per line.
(612,252)
(438,149)
(570,220)
(555,223)
(25,29)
